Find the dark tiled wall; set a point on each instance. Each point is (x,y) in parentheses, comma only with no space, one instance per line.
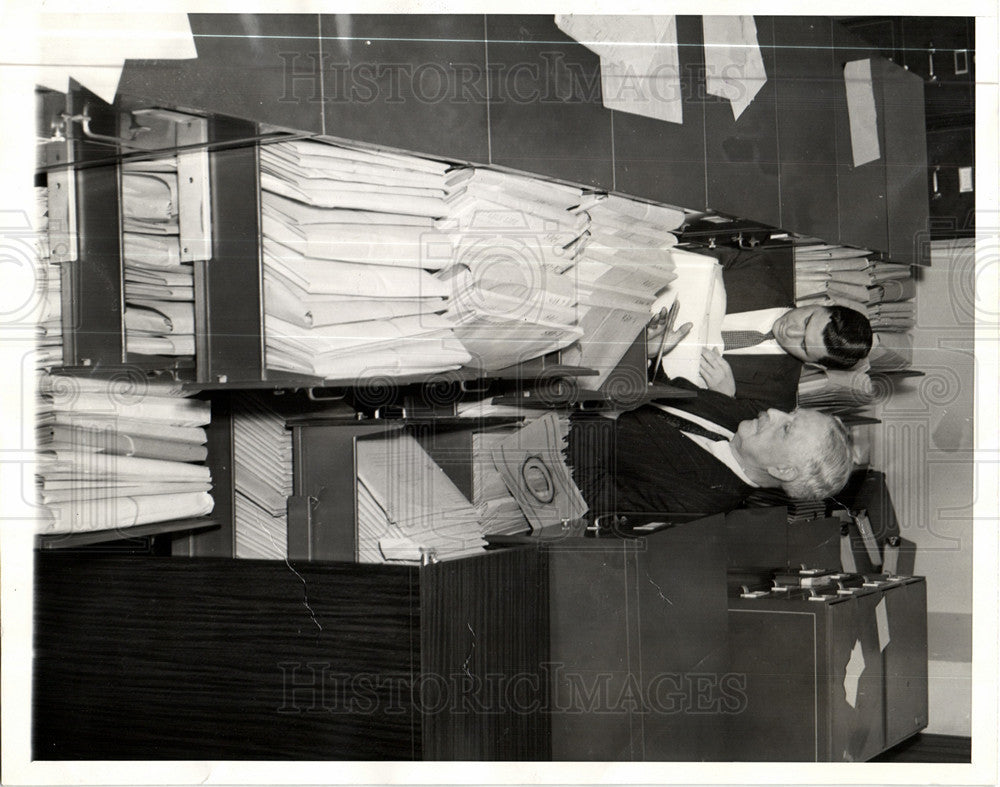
(517,92)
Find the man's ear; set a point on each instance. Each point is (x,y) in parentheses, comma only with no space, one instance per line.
(784,472)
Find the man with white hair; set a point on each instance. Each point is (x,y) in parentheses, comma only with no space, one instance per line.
(701,455)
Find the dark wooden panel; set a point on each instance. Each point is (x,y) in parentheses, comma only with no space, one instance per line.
(742,154)
(638,645)
(188,658)
(814,543)
(488,654)
(805,94)
(775,655)
(546,111)
(855,728)
(589,650)
(665,161)
(905,165)
(416,82)
(757,537)
(680,595)
(860,190)
(906,661)
(261,67)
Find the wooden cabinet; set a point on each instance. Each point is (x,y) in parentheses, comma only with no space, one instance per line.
(206,658)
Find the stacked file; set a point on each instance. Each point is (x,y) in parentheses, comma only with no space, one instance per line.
(49,318)
(834,388)
(408,507)
(347,286)
(262,476)
(159,288)
(498,510)
(622,264)
(816,264)
(511,240)
(891,351)
(114,454)
(798,510)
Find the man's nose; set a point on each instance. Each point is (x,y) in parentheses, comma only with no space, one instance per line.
(794,330)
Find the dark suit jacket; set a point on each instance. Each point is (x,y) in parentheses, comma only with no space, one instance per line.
(760,279)
(642,463)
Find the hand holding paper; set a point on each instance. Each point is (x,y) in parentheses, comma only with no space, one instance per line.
(660,336)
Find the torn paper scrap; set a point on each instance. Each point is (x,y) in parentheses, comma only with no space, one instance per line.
(882,623)
(861,111)
(852,674)
(734,68)
(640,68)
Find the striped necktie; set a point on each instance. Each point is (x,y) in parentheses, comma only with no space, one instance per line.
(690,427)
(737,340)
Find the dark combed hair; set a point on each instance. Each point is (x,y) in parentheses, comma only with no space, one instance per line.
(848,337)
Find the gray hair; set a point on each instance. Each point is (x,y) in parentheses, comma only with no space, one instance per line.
(826,474)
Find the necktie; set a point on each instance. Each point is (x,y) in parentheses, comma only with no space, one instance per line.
(737,340)
(690,426)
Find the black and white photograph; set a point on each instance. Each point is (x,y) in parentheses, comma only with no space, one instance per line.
(581,394)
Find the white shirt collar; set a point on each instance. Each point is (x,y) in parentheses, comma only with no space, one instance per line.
(720,449)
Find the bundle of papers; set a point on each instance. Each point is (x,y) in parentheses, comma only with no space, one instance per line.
(119,453)
(498,511)
(49,316)
(891,351)
(509,238)
(701,298)
(159,288)
(408,506)
(329,176)
(820,387)
(621,265)
(262,476)
(348,292)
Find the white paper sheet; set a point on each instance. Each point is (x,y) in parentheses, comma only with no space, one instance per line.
(852,674)
(734,68)
(861,111)
(640,68)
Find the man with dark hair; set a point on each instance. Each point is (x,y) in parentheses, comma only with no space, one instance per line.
(766,338)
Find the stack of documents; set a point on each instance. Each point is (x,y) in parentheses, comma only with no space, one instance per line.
(159,288)
(348,239)
(891,351)
(701,298)
(262,475)
(118,453)
(49,317)
(511,240)
(825,388)
(798,510)
(622,264)
(407,506)
(499,512)
(816,264)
